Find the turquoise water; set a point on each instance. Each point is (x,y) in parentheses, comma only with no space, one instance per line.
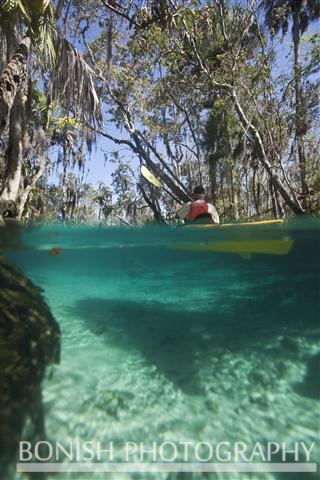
(162,342)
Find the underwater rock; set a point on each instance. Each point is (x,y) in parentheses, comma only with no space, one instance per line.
(29,341)
(113,401)
(281,367)
(260,378)
(310,387)
(290,345)
(211,405)
(259,399)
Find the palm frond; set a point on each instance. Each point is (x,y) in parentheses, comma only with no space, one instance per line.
(14,7)
(72,84)
(43,28)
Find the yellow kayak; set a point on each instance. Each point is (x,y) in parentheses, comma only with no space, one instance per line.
(271,247)
(242,246)
(222,225)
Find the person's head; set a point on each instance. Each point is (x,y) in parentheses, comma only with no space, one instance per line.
(199,192)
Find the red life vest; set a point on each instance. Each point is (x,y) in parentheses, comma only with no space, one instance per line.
(196,209)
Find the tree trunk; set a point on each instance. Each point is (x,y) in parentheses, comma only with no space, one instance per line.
(3,58)
(11,81)
(175,189)
(151,205)
(14,152)
(279,206)
(255,190)
(213,179)
(300,116)
(26,191)
(295,207)
(234,194)
(247,192)
(190,178)
(273,200)
(221,187)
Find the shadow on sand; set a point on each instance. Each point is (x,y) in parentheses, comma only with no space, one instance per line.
(178,342)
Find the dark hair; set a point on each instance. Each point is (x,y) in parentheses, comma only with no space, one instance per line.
(199,190)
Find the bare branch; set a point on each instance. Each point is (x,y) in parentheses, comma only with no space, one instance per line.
(119,12)
(220,6)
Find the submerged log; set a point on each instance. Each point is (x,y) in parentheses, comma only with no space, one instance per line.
(29,341)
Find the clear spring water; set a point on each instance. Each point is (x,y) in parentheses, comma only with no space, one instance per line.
(162,343)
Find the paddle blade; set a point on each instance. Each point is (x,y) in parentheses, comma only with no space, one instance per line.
(148,176)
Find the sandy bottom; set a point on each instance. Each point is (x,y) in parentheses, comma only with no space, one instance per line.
(138,365)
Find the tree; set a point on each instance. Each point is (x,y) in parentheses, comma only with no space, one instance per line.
(188,90)
(64,78)
(213,46)
(301,12)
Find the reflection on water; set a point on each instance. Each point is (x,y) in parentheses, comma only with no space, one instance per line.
(162,342)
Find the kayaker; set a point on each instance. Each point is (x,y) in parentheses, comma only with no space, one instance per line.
(199,210)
